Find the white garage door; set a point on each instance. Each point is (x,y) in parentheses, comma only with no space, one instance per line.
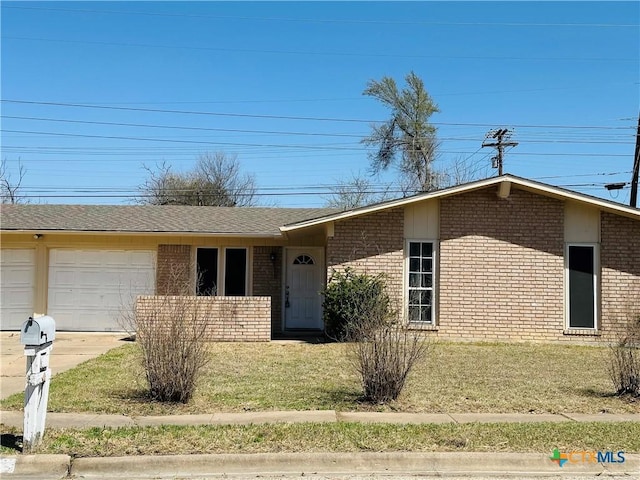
(17,286)
(90,289)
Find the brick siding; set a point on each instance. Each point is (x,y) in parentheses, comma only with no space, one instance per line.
(267,282)
(371,243)
(620,272)
(501,267)
(229,319)
(173,270)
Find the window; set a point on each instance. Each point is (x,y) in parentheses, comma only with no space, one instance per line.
(207,271)
(303,260)
(420,282)
(581,286)
(235,276)
(210,277)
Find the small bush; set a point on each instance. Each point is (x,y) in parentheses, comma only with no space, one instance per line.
(624,366)
(352,302)
(174,352)
(383,350)
(170,332)
(384,357)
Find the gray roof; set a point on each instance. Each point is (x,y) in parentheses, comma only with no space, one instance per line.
(243,221)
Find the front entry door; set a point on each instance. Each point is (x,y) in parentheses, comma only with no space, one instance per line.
(304,277)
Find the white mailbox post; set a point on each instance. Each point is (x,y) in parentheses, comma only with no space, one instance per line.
(37,335)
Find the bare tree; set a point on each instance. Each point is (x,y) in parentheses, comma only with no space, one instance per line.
(407,139)
(216,180)
(355,192)
(463,171)
(9,190)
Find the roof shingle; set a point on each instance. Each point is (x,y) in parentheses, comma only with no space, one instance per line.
(259,221)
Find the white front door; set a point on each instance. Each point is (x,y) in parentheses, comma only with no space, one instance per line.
(304,279)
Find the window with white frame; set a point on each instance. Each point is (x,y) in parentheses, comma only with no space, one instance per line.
(582,286)
(229,278)
(420,281)
(207,271)
(235,272)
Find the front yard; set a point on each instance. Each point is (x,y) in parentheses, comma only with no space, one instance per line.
(454,378)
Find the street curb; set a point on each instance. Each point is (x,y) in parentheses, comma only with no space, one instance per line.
(432,464)
(42,467)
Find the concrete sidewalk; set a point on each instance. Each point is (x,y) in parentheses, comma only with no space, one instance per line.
(432,464)
(88,420)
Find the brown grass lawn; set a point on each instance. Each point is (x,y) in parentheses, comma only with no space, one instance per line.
(499,378)
(339,437)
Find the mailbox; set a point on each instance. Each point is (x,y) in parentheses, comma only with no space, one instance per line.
(38,331)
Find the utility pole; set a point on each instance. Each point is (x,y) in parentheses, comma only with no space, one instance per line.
(636,170)
(500,139)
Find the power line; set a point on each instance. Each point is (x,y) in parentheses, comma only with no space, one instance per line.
(314,147)
(177,127)
(274,132)
(199,142)
(580,175)
(338,21)
(318,53)
(288,117)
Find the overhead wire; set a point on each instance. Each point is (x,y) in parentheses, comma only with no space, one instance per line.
(280,132)
(307,53)
(291,117)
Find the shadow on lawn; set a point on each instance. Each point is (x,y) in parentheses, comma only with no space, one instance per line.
(342,396)
(593,393)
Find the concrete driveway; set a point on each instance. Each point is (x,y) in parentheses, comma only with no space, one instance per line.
(69,350)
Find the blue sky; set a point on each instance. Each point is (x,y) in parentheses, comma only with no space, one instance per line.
(280,85)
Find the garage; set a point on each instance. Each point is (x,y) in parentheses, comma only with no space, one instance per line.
(90,289)
(17,277)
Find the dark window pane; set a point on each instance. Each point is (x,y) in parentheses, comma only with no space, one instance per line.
(414,314)
(414,279)
(427,249)
(425,314)
(427,265)
(207,271)
(235,272)
(427,280)
(414,264)
(414,249)
(425,297)
(581,287)
(414,297)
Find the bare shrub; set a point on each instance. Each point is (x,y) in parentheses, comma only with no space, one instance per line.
(624,358)
(170,331)
(384,357)
(382,348)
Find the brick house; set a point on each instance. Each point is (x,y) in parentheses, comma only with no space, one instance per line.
(501,259)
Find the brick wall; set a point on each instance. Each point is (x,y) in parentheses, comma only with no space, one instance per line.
(267,281)
(173,270)
(501,267)
(370,244)
(228,319)
(620,272)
